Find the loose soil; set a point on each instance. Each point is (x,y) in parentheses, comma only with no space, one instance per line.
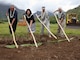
(47,51)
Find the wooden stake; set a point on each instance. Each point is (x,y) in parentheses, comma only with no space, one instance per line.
(46,27)
(62,29)
(31,32)
(12,32)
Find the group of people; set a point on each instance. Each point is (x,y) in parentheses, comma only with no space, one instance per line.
(13,15)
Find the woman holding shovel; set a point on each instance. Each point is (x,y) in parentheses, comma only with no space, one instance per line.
(30,19)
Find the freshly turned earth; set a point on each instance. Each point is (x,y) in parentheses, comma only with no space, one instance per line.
(47,51)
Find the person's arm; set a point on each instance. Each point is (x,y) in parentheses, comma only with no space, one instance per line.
(13,21)
(63,17)
(56,11)
(39,16)
(7,13)
(61,20)
(31,23)
(14,18)
(47,16)
(42,16)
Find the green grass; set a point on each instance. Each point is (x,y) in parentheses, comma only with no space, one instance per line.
(22,30)
(23,45)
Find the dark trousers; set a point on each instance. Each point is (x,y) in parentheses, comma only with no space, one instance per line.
(14,27)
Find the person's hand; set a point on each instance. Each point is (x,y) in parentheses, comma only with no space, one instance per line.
(10,24)
(6,14)
(60,21)
(30,26)
(13,21)
(39,16)
(44,21)
(31,23)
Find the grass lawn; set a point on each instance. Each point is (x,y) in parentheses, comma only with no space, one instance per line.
(22,30)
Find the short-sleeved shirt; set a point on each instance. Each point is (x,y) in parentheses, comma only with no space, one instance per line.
(29,18)
(14,16)
(61,15)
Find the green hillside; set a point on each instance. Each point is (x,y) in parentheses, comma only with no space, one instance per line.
(75,10)
(4,8)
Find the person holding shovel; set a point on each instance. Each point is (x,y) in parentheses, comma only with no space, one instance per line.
(13,16)
(30,19)
(45,19)
(62,20)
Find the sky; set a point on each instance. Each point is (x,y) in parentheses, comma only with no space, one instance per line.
(36,5)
